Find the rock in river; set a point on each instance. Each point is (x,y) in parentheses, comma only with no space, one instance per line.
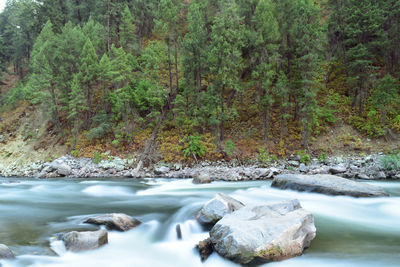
(115,221)
(327,184)
(6,253)
(217,208)
(81,241)
(255,234)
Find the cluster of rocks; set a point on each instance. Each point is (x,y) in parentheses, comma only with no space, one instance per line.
(81,241)
(77,241)
(368,167)
(249,234)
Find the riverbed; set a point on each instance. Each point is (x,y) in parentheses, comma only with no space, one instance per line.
(350,231)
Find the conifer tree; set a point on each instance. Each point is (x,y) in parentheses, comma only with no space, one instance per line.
(265,39)
(384,95)
(77,105)
(225,59)
(194,47)
(127,32)
(88,73)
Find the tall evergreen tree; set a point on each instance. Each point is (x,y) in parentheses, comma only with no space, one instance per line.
(225,59)
(127,32)
(88,74)
(265,55)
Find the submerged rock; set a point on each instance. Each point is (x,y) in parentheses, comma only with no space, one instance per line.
(205,249)
(264,233)
(6,253)
(203,178)
(327,184)
(115,221)
(217,208)
(82,241)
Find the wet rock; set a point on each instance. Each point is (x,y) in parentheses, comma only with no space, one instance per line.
(82,241)
(327,184)
(337,169)
(264,233)
(6,253)
(202,178)
(205,249)
(379,175)
(363,176)
(178,231)
(115,221)
(217,208)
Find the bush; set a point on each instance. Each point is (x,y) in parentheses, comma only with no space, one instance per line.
(264,158)
(390,162)
(304,157)
(193,147)
(230,148)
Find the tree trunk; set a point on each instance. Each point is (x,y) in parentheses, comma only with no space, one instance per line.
(78,10)
(176,66)
(222,116)
(169,65)
(108,26)
(145,157)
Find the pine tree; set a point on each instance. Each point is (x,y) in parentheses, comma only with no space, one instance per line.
(194,50)
(225,59)
(127,32)
(266,37)
(77,105)
(384,95)
(309,51)
(88,73)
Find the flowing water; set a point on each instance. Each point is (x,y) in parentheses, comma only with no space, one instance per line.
(350,232)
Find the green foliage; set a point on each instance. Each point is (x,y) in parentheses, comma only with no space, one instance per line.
(102,127)
(193,147)
(304,157)
(97,157)
(390,162)
(371,125)
(322,157)
(264,158)
(230,148)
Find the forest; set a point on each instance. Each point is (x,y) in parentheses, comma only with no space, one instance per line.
(203,78)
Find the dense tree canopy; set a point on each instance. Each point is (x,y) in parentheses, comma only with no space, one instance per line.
(108,69)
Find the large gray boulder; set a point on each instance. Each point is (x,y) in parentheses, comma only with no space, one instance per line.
(6,253)
(327,184)
(61,166)
(217,208)
(115,221)
(82,241)
(264,233)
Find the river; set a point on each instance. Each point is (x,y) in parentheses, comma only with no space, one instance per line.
(350,231)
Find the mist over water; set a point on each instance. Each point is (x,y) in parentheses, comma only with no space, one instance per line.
(350,231)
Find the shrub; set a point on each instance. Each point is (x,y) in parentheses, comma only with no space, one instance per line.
(230,148)
(304,156)
(390,162)
(75,153)
(263,157)
(193,147)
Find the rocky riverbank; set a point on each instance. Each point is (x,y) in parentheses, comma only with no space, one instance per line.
(363,167)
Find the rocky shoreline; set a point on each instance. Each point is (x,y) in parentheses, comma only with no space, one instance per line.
(364,167)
